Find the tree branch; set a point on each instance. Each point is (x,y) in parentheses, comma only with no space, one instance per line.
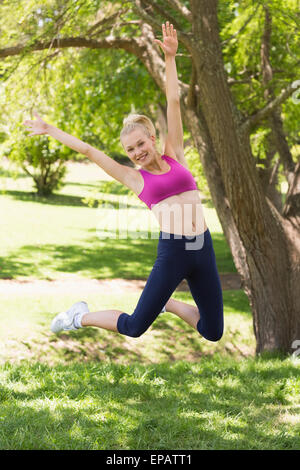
(142,47)
(104,21)
(268,109)
(183,10)
(141,11)
(129,44)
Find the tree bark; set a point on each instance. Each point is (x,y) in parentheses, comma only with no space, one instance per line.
(268,173)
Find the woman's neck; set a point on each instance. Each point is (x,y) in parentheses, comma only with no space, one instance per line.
(158,164)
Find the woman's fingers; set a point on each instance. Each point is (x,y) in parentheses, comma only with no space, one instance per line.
(29,127)
(170,43)
(30,124)
(168,29)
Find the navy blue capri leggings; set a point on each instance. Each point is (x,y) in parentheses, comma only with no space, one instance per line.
(180,257)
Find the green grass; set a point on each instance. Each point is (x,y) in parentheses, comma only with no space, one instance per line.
(218,403)
(95,389)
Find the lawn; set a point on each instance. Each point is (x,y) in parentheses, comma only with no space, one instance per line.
(216,403)
(95,389)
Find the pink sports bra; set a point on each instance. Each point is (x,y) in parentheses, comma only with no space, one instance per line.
(158,187)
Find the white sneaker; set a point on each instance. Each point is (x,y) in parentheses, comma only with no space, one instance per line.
(65,320)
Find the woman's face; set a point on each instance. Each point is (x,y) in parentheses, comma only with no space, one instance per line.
(139,147)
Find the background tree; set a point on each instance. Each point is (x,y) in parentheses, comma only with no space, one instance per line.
(238,65)
(42,161)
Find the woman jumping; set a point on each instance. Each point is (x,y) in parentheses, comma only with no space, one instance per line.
(165,184)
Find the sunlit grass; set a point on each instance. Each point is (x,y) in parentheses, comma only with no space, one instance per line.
(218,403)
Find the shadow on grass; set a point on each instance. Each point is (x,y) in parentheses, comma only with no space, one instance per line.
(213,405)
(107,187)
(98,259)
(57,199)
(54,199)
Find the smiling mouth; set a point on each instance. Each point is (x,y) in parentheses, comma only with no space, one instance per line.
(142,157)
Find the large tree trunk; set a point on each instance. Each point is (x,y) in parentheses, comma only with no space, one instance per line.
(271,252)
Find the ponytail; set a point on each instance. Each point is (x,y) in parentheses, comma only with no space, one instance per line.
(137,121)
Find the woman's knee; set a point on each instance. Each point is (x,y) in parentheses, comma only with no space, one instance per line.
(128,326)
(135,331)
(212,333)
(214,336)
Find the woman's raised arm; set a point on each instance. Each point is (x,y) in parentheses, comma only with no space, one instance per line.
(121,173)
(175,128)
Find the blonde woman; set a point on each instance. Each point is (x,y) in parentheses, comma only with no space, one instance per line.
(166,185)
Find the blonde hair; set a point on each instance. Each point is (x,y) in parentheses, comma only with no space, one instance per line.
(137,121)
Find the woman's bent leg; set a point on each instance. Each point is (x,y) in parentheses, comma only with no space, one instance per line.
(205,286)
(186,312)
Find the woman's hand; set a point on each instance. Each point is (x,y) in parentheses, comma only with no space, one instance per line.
(170,44)
(37,127)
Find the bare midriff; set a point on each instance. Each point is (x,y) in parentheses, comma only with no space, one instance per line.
(181,214)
